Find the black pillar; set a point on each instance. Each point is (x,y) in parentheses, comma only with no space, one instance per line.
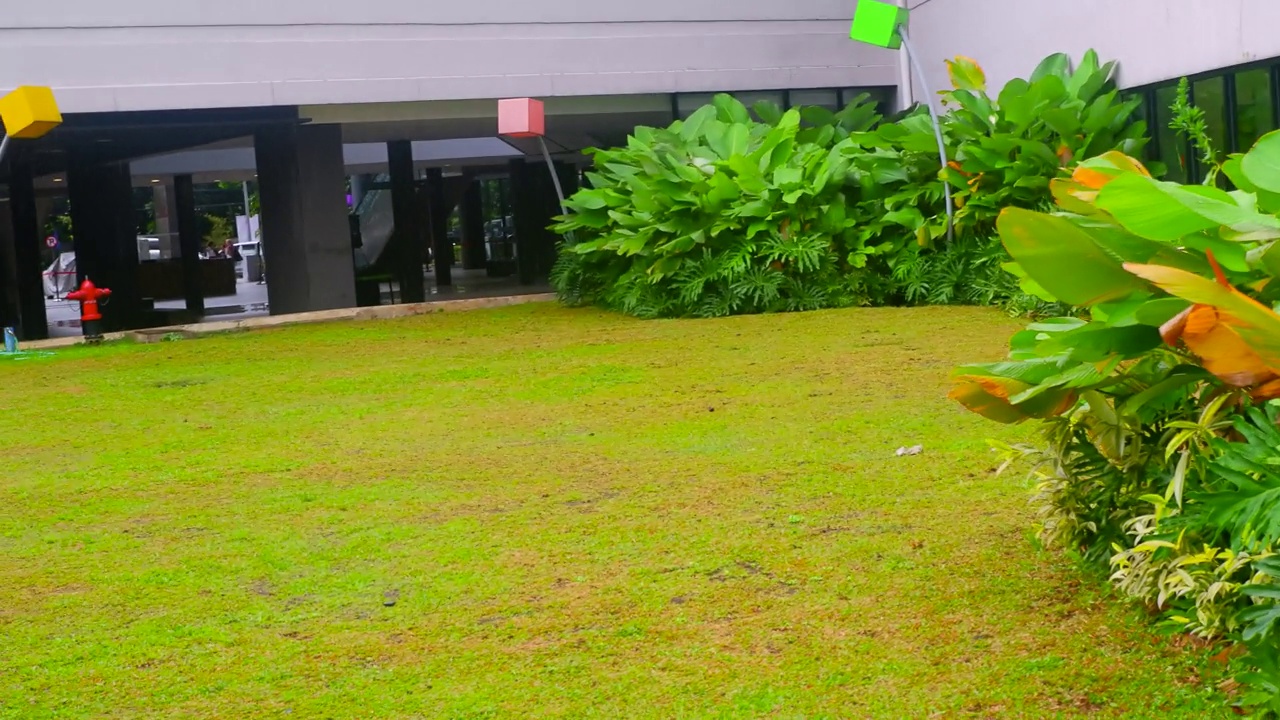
(524,211)
(106,235)
(441,247)
(534,204)
(409,232)
(33,324)
(10,310)
(474,256)
(189,243)
(306,234)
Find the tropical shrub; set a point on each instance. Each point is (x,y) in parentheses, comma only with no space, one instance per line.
(716,215)
(724,213)
(1159,405)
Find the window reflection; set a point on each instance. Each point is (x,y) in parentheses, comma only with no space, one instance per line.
(1210,95)
(1254,116)
(1172,147)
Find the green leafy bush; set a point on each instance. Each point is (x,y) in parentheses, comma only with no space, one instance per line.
(716,215)
(1161,459)
(724,213)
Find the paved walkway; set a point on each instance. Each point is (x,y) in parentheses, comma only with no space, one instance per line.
(250,300)
(228,324)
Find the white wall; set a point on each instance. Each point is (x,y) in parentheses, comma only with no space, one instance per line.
(1152,39)
(103,55)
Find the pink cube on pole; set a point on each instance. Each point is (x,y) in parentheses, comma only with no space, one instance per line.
(521,118)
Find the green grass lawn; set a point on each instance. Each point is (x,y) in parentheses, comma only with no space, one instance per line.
(536,512)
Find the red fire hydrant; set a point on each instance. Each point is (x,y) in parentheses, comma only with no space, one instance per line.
(90,318)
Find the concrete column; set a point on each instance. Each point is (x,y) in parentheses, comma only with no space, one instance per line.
(306,238)
(187,229)
(410,233)
(441,209)
(474,256)
(106,235)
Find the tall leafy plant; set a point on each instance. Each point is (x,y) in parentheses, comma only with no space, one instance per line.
(718,214)
(726,213)
(1159,405)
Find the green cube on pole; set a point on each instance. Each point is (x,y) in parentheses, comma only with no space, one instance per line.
(876,23)
(884,24)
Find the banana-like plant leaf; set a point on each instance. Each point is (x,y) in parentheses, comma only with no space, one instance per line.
(1220,349)
(1073,197)
(1058,65)
(1159,311)
(731,110)
(1095,173)
(1261,165)
(1063,258)
(1100,341)
(1085,376)
(1267,201)
(1256,324)
(989,396)
(1168,212)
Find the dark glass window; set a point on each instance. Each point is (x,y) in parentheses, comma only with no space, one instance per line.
(1173,149)
(1210,95)
(690,103)
(1141,114)
(829,99)
(1254,116)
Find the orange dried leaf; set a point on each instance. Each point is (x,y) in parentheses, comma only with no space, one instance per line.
(1201,320)
(1257,325)
(1091,178)
(1224,354)
(1267,391)
(1065,155)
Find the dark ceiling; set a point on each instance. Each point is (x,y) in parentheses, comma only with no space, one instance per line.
(113,137)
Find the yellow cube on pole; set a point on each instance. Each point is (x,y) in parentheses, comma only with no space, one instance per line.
(29,112)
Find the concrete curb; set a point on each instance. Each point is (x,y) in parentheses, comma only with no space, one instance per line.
(385,312)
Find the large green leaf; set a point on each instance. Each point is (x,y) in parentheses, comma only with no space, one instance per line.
(1099,341)
(1267,201)
(1168,211)
(1084,376)
(731,110)
(1063,259)
(1057,65)
(768,111)
(1261,165)
(988,390)
(737,139)
(694,124)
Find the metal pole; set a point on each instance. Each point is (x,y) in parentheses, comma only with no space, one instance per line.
(937,129)
(4,147)
(555,178)
(551,168)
